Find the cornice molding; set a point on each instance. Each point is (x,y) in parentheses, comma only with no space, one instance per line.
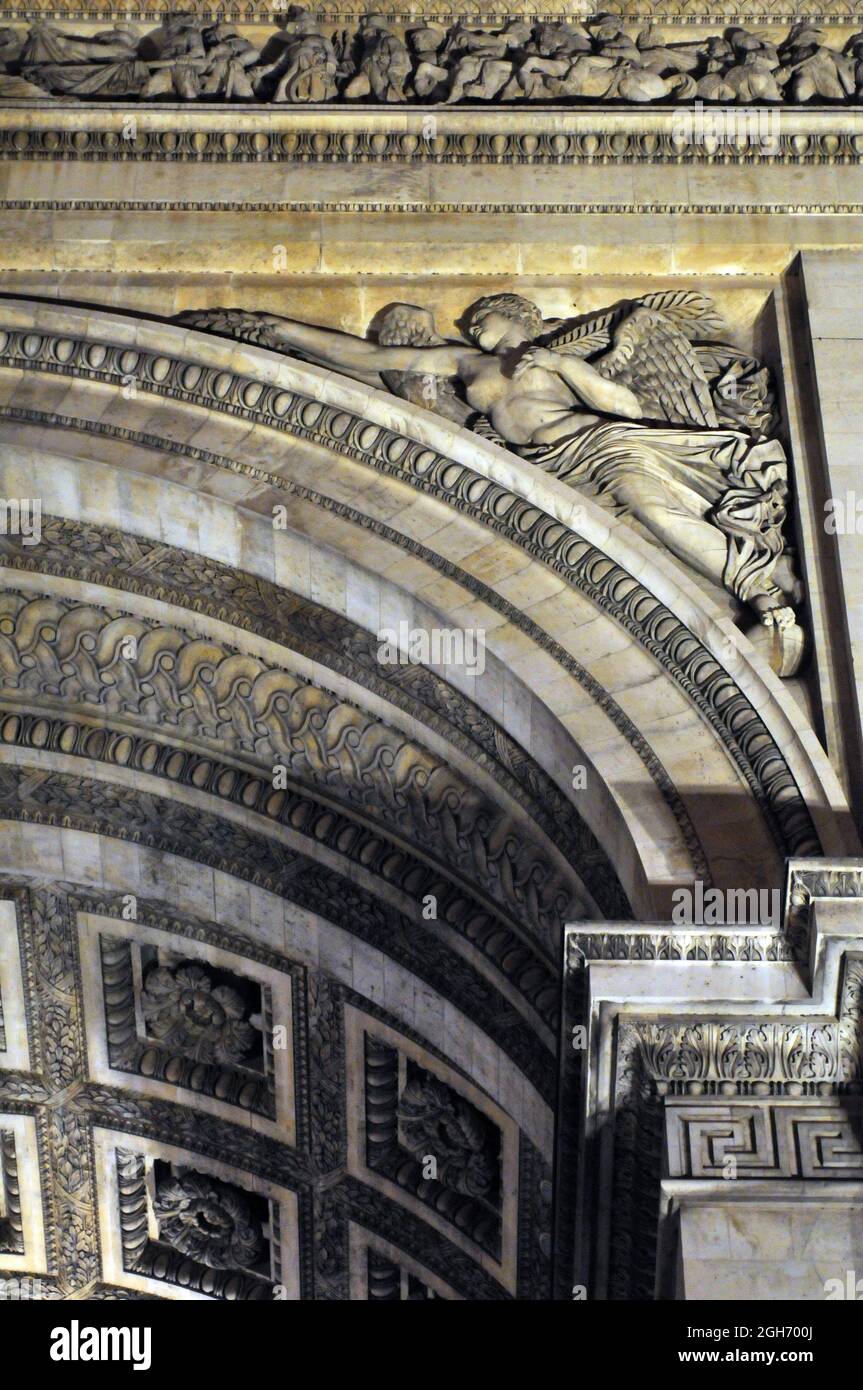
(447,209)
(415,135)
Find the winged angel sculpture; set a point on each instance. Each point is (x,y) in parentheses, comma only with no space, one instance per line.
(636,404)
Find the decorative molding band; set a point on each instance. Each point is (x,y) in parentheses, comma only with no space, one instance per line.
(443,209)
(11,1225)
(678,944)
(214,698)
(824,137)
(805,884)
(749,1057)
(676,12)
(711,689)
(520,963)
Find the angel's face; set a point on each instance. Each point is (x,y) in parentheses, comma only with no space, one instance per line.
(495,331)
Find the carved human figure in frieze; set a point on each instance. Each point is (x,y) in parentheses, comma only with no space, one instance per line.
(228,59)
(12,85)
(407,325)
(612,41)
(598,76)
(561,40)
(662,58)
(753,79)
(47,43)
(299,64)
(810,70)
(652,422)
(854,51)
(481,64)
(383,63)
(430,73)
(176,57)
(11,46)
(103,64)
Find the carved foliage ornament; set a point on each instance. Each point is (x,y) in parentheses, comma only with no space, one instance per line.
(182,1008)
(207,1220)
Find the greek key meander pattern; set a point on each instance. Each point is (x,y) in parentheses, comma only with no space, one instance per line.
(810,1142)
(739,727)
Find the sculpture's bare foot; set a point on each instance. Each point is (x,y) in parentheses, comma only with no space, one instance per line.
(789,640)
(781,616)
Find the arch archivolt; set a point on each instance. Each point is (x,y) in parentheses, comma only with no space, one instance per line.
(788,791)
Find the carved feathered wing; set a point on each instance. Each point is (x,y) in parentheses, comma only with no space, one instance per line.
(689,310)
(658,362)
(740,387)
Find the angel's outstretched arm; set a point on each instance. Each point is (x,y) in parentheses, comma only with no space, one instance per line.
(611,397)
(344,352)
